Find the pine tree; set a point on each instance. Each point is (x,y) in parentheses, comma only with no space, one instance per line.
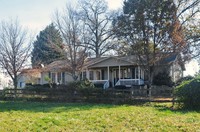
(48,47)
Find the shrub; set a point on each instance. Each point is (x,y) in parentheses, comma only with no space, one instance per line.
(87,88)
(188,92)
(187,78)
(162,78)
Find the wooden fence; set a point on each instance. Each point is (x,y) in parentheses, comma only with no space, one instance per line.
(95,96)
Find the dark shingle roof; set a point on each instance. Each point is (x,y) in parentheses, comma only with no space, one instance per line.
(59,65)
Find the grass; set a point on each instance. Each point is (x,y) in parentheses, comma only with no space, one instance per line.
(33,116)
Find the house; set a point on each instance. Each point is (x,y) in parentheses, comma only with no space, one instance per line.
(56,72)
(111,71)
(31,76)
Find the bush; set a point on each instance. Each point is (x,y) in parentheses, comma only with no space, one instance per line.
(187,78)
(188,92)
(162,78)
(87,88)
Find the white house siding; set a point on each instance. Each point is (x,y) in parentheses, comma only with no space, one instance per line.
(67,77)
(21,81)
(176,71)
(43,75)
(28,78)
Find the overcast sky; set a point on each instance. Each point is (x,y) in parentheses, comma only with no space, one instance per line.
(37,14)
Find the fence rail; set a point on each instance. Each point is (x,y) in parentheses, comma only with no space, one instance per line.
(96,96)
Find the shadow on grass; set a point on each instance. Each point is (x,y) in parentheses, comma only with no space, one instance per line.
(60,107)
(6,106)
(176,109)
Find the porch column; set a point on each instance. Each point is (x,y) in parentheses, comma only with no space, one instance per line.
(56,77)
(135,72)
(87,74)
(143,74)
(108,68)
(94,75)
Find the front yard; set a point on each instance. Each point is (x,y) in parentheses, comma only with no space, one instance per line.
(30,116)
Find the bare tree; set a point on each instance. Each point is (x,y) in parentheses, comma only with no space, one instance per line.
(73,31)
(15,48)
(98,23)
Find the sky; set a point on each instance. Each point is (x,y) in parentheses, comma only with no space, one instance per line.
(192,68)
(37,14)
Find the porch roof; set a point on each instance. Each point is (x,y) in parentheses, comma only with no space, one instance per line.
(128,60)
(111,61)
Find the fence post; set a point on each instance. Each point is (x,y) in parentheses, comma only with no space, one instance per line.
(173,97)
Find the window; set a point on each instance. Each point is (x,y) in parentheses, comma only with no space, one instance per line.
(102,74)
(59,77)
(53,77)
(83,75)
(133,73)
(123,73)
(91,75)
(98,75)
(20,84)
(63,77)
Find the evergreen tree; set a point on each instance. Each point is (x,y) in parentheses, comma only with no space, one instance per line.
(48,47)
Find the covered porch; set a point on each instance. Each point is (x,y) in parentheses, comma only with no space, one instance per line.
(120,75)
(114,71)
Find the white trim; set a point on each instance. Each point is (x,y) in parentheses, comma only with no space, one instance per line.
(87,74)
(135,68)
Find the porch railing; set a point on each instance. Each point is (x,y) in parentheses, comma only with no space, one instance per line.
(129,82)
(101,83)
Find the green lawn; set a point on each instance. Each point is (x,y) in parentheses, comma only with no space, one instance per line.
(29,116)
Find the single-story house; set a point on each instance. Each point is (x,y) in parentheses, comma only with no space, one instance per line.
(111,71)
(31,76)
(56,72)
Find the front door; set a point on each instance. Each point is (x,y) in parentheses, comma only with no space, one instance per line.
(115,76)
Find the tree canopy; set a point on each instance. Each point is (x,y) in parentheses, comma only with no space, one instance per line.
(48,46)
(154,23)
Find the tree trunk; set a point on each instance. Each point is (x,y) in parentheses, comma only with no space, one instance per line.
(15,86)
(74,76)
